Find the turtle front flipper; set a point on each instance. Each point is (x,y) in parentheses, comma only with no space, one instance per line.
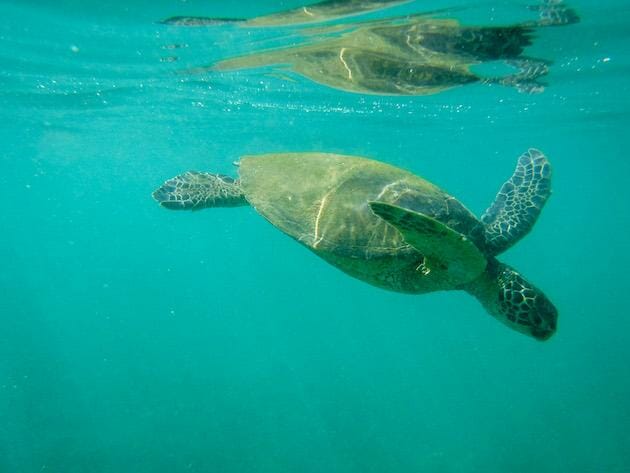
(447,253)
(513,300)
(199,190)
(518,203)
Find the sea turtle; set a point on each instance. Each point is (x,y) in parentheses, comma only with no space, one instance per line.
(389,227)
(313,13)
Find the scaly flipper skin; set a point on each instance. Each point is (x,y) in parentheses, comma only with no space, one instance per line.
(518,203)
(194,190)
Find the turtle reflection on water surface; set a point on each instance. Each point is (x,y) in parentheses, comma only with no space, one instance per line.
(411,55)
(418,57)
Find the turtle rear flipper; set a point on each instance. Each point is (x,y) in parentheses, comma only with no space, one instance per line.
(198,190)
(447,253)
(518,203)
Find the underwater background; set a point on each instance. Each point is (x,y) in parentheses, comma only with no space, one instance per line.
(134,339)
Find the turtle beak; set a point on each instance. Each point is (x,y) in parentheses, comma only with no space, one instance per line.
(544,319)
(542,335)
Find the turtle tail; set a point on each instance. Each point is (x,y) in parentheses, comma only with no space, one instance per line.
(514,301)
(199,190)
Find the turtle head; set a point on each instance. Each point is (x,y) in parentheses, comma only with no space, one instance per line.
(525,307)
(516,302)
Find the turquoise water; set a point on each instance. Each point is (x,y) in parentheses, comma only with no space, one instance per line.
(135,339)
